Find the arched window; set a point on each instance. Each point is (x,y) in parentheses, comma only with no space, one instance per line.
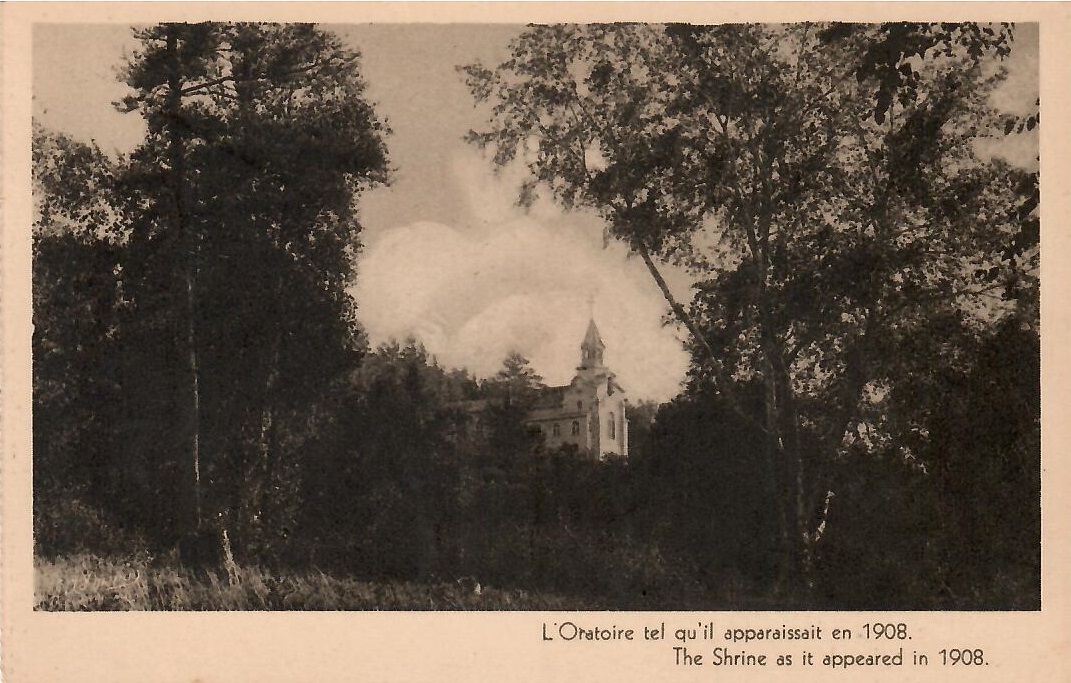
(576,427)
(579,405)
(613,427)
(556,430)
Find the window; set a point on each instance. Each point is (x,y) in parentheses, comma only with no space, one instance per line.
(613,427)
(556,430)
(579,405)
(576,427)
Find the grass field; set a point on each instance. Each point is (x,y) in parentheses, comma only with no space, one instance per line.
(88,583)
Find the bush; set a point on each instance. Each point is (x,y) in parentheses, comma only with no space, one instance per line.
(63,524)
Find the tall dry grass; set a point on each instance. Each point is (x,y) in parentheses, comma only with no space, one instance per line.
(87,582)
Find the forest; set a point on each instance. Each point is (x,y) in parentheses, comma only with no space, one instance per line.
(860,427)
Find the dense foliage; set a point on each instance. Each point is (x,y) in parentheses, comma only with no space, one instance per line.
(850,245)
(211,270)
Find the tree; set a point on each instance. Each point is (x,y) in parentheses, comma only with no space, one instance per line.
(77,302)
(388,489)
(641,415)
(516,383)
(827,222)
(512,393)
(698,469)
(243,240)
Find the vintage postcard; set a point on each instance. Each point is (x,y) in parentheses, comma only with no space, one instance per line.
(492,341)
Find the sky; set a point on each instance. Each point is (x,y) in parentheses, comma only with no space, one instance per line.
(448,257)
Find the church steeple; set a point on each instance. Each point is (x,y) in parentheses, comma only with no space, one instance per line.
(590,412)
(591,348)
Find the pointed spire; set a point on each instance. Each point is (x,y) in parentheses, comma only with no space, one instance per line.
(592,337)
(592,347)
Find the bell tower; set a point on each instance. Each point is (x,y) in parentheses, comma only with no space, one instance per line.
(589,412)
(591,349)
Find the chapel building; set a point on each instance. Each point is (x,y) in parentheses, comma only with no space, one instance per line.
(589,412)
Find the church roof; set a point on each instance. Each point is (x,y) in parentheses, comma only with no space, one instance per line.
(592,337)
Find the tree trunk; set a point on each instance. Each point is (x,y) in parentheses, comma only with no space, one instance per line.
(784,457)
(267,449)
(722,386)
(782,424)
(791,467)
(176,152)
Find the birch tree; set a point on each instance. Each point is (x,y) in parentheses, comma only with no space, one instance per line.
(820,181)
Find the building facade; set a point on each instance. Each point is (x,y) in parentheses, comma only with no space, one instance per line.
(589,412)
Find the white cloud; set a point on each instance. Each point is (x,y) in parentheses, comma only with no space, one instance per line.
(514,281)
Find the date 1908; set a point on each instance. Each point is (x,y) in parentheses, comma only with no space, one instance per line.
(955,656)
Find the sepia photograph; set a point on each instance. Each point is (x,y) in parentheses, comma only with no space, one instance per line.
(553,343)
(623,316)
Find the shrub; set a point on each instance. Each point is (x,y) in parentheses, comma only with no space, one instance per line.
(64,524)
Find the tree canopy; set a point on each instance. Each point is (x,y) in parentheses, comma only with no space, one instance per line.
(822,182)
(236,237)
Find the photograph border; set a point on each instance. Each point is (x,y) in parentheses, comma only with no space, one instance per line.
(424,646)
